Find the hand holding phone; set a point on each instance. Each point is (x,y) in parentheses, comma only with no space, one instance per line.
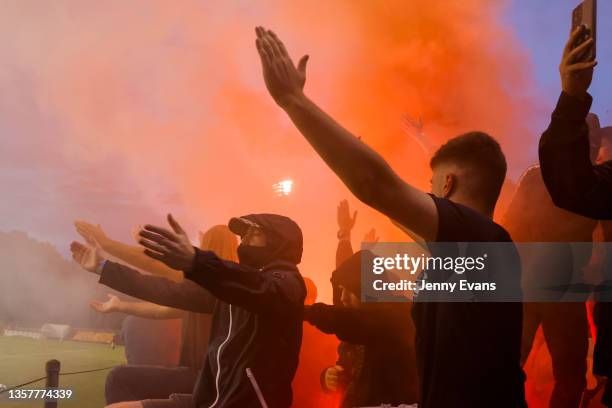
(585,14)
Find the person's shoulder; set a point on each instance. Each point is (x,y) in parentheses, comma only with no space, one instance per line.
(460,223)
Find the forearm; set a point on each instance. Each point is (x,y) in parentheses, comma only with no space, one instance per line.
(348,325)
(135,256)
(344,250)
(359,166)
(150,310)
(280,293)
(573,182)
(184,295)
(363,171)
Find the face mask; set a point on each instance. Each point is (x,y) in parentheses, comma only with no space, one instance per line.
(256,257)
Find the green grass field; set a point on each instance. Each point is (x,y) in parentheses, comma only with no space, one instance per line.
(23,359)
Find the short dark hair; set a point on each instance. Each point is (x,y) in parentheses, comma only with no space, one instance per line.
(483,157)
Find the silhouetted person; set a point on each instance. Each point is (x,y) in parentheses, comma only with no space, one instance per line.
(533,217)
(468,354)
(385,372)
(573,182)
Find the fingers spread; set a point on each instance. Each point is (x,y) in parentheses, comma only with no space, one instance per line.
(175,225)
(155,255)
(154,246)
(160,231)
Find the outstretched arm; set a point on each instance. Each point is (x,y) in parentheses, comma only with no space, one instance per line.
(130,254)
(276,292)
(146,310)
(362,170)
(184,295)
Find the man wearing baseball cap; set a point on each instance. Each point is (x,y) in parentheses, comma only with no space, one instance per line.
(257,307)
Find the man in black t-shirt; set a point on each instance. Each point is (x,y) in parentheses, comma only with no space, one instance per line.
(468,354)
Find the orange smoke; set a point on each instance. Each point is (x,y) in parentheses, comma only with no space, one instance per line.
(174,92)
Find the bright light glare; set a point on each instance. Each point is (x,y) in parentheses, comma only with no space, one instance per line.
(283,187)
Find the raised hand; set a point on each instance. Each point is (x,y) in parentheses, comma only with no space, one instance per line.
(345,221)
(415,130)
(170,247)
(283,79)
(113,304)
(87,256)
(576,68)
(371,236)
(90,232)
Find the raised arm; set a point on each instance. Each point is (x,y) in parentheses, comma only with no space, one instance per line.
(362,170)
(146,310)
(573,182)
(346,222)
(130,254)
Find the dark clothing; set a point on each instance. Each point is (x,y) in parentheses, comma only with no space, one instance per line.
(343,252)
(579,186)
(135,383)
(388,372)
(266,337)
(123,385)
(566,331)
(194,339)
(283,235)
(257,324)
(175,401)
(350,358)
(468,354)
(151,342)
(573,182)
(533,217)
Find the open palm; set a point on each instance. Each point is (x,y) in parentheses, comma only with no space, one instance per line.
(111,305)
(87,256)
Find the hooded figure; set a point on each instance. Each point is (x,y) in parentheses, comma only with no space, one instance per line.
(257,324)
(385,373)
(256,305)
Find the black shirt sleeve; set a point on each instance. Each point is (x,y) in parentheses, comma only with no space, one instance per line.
(184,295)
(276,292)
(354,325)
(573,182)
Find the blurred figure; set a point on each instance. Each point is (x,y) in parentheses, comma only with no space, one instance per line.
(137,382)
(533,217)
(339,377)
(384,372)
(573,181)
(317,349)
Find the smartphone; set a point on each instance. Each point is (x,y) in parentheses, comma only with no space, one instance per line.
(586,13)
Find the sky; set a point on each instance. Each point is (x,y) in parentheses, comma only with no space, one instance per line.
(541,27)
(118,113)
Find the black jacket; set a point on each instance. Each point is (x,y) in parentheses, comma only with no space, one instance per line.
(257,320)
(577,185)
(388,374)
